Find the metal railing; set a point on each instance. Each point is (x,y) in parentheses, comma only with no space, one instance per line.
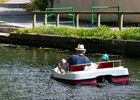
(102,7)
(113,61)
(120,15)
(71,20)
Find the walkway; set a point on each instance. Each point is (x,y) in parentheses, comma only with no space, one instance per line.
(14,13)
(19,1)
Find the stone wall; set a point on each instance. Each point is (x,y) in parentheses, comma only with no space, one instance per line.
(130,48)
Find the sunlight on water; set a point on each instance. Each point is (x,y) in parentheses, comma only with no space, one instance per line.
(25,75)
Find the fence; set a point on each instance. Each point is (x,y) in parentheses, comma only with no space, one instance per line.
(102,7)
(120,15)
(71,19)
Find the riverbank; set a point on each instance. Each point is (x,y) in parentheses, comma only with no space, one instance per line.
(102,32)
(121,47)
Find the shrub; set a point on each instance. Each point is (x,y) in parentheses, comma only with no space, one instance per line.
(131,34)
(38,5)
(102,32)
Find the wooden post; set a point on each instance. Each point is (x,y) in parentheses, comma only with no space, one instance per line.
(57,20)
(99,19)
(45,20)
(77,20)
(120,21)
(34,20)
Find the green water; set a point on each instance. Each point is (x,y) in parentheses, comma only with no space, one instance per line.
(25,75)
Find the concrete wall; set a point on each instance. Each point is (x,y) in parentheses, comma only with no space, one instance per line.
(131,48)
(84,5)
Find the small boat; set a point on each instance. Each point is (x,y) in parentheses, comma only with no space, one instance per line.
(93,74)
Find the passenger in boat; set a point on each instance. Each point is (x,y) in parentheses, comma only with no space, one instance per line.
(76,59)
(79,57)
(105,57)
(104,62)
(62,66)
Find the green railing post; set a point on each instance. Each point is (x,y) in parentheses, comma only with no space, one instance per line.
(92,15)
(118,11)
(73,18)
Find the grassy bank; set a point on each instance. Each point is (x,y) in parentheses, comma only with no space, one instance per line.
(102,32)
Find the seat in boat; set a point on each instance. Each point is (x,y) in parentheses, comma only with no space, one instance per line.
(76,68)
(105,64)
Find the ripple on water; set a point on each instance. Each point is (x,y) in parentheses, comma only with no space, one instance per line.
(35,83)
(24,79)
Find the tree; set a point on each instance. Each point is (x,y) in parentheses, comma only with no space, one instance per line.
(38,5)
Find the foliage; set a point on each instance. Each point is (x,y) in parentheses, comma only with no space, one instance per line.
(37,5)
(102,32)
(131,34)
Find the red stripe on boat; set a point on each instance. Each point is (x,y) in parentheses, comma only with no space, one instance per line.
(82,82)
(76,68)
(120,79)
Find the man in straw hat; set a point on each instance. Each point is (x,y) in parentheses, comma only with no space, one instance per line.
(78,58)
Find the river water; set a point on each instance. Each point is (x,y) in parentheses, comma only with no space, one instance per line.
(25,75)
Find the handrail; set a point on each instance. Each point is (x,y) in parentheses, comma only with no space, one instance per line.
(47,16)
(85,64)
(102,7)
(85,12)
(77,13)
(113,61)
(60,9)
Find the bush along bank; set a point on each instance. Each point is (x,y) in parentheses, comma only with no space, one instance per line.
(103,32)
(68,38)
(98,33)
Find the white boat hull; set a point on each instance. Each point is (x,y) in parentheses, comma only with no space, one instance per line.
(116,75)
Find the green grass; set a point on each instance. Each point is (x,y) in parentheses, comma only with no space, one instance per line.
(131,34)
(102,32)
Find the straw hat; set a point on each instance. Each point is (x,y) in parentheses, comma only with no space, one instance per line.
(80,47)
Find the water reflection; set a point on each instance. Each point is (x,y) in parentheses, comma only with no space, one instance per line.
(25,75)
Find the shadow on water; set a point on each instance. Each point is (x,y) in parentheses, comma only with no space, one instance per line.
(25,75)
